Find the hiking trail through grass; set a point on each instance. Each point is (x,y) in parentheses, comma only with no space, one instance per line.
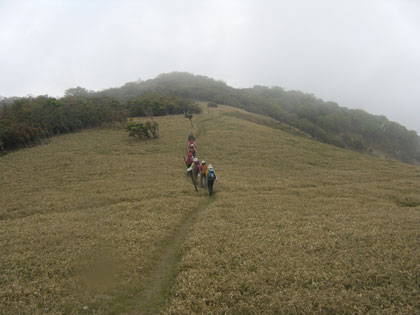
(158,283)
(96,222)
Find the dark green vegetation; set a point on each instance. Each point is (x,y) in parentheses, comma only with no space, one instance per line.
(324,121)
(148,129)
(212,105)
(28,121)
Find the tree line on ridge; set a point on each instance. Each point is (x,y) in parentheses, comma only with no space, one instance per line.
(30,120)
(327,122)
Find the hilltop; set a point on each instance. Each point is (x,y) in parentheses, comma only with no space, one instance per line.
(27,121)
(323,121)
(96,221)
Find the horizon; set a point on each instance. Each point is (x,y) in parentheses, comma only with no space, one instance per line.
(361,55)
(269,86)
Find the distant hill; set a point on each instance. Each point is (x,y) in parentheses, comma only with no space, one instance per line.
(324,121)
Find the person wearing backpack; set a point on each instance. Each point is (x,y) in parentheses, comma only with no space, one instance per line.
(203,173)
(211,178)
(192,148)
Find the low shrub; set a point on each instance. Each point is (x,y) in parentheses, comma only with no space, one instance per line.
(148,129)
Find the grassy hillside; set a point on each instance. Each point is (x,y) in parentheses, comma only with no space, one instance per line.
(98,222)
(324,121)
(28,121)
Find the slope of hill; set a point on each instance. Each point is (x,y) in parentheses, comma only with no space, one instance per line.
(324,121)
(26,121)
(99,222)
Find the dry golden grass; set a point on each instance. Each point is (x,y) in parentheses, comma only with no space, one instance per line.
(296,226)
(300,227)
(86,201)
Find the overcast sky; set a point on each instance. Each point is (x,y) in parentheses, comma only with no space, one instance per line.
(360,53)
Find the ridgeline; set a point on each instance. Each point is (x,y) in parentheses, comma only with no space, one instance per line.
(326,122)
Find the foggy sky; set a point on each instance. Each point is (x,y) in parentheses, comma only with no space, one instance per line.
(359,53)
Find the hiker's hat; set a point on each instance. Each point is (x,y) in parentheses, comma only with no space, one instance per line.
(210,166)
(195,159)
(203,162)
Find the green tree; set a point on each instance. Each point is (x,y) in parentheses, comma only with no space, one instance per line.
(78,92)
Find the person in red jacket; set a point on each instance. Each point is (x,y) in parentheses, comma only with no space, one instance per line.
(193,149)
(190,164)
(196,168)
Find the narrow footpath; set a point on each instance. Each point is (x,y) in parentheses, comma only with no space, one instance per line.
(158,283)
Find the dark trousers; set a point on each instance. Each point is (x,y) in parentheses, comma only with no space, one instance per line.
(203,179)
(210,186)
(189,173)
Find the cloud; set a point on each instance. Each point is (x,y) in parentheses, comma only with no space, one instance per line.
(362,54)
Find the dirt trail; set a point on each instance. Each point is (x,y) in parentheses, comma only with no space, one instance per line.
(201,130)
(159,282)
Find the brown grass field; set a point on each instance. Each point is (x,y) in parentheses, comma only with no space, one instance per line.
(99,223)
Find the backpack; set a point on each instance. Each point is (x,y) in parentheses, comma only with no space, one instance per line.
(211,176)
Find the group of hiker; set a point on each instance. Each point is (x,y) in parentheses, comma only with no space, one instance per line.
(196,169)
